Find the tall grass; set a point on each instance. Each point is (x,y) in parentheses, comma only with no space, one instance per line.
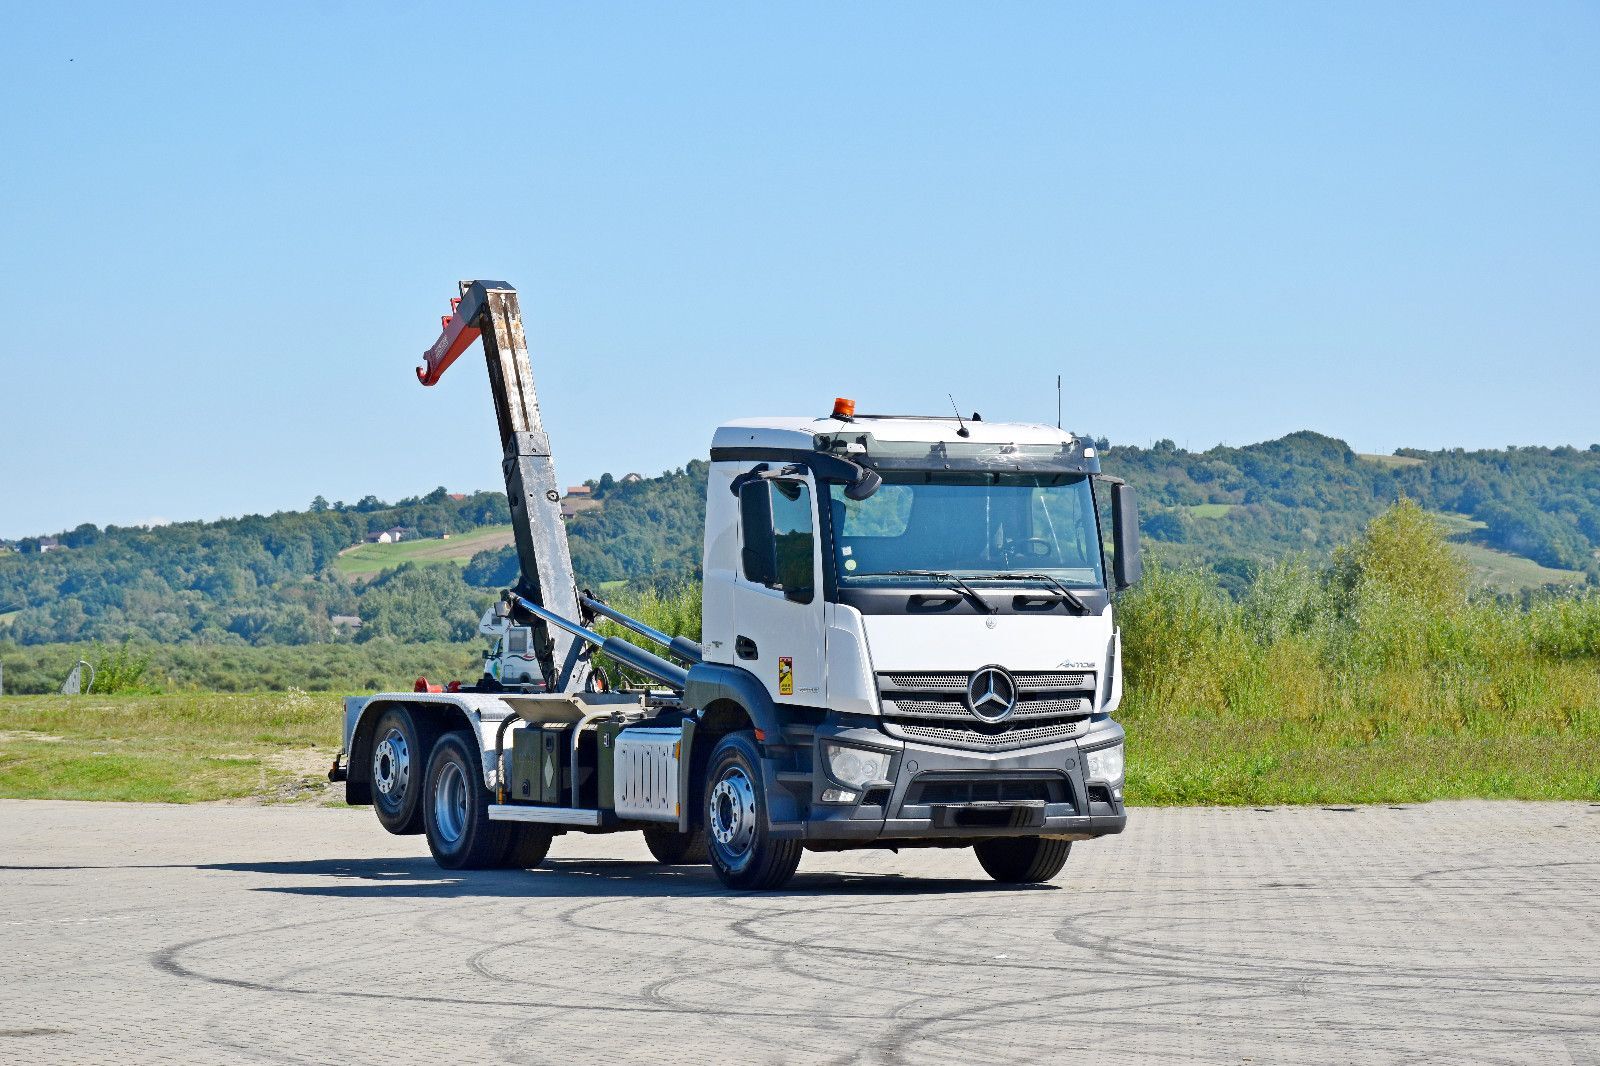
(1376,678)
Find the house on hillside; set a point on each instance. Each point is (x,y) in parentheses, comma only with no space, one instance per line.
(49,544)
(391,536)
(582,492)
(346,621)
(458,496)
(568,512)
(629,479)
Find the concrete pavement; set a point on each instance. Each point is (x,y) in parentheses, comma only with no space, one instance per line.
(1449,932)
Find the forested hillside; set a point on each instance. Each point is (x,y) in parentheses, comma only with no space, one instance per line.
(271,579)
(1233,508)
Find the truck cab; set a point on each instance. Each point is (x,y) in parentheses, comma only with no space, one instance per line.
(933,663)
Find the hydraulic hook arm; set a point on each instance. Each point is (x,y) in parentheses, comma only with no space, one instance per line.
(489,310)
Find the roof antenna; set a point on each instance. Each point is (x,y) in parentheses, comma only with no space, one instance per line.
(1058,401)
(963,431)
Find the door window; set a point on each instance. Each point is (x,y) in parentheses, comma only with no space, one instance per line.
(778,537)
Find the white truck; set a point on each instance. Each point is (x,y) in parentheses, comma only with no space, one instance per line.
(908,640)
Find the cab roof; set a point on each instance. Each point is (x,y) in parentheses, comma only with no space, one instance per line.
(801,433)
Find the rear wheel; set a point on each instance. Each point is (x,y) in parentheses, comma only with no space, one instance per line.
(1022,860)
(456,809)
(743,851)
(398,759)
(672,848)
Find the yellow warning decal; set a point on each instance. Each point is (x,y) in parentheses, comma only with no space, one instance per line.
(786,675)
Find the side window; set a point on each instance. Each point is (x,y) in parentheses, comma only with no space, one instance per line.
(758,553)
(778,537)
(791,527)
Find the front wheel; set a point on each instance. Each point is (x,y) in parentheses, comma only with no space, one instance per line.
(1022,860)
(455,807)
(743,851)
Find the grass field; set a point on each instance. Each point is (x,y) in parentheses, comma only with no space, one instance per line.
(1366,754)
(230,668)
(1390,460)
(1208,510)
(276,747)
(369,560)
(169,749)
(1500,570)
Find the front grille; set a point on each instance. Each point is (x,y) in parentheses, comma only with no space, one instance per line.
(979,739)
(957,709)
(931,707)
(955,681)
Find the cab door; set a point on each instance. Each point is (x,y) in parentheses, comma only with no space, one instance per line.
(777,610)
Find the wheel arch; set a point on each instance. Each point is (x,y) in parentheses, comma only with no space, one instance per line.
(433,718)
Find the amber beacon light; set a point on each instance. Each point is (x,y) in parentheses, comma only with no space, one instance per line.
(843,408)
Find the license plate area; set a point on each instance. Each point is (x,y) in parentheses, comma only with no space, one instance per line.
(1026,815)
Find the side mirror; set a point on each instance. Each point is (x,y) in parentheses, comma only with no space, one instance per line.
(1126,565)
(864,486)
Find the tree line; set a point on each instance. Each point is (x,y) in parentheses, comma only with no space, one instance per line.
(270,579)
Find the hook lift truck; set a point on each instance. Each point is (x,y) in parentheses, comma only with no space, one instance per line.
(907,641)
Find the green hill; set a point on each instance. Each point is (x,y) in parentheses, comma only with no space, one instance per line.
(369,560)
(1527,517)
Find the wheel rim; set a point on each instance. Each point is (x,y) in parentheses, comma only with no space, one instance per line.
(450,804)
(391,765)
(731,813)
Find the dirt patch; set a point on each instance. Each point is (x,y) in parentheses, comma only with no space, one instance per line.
(298,777)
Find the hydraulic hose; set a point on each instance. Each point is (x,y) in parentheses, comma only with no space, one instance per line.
(678,647)
(671,674)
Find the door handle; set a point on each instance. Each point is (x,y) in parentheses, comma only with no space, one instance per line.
(745,648)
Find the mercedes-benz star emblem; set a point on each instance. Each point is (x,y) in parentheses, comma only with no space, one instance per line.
(992,694)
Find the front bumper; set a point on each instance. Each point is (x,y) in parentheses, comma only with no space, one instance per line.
(935,793)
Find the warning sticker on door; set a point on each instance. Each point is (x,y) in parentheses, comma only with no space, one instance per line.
(786,675)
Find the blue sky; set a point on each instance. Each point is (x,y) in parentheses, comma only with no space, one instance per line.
(228,231)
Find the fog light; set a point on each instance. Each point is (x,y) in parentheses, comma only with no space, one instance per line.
(855,767)
(1105,765)
(837,795)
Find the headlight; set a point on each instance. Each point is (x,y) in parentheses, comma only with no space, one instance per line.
(1105,765)
(856,767)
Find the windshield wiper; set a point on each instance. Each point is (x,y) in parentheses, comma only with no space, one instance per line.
(954,582)
(1072,599)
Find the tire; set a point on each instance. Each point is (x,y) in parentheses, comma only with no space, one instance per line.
(399,760)
(672,848)
(455,809)
(1022,860)
(526,846)
(742,849)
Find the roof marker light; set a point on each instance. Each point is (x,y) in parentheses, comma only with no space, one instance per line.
(844,409)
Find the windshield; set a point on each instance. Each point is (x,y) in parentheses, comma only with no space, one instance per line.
(969,526)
